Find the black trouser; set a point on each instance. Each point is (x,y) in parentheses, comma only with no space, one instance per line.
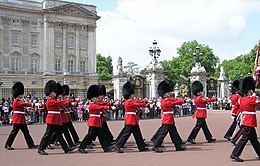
(107,132)
(92,133)
(73,132)
(121,133)
(238,134)
(232,128)
(65,131)
(163,131)
(126,132)
(156,134)
(248,134)
(201,123)
(14,132)
(51,128)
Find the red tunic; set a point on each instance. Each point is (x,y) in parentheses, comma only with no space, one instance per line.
(235,104)
(200,104)
(94,117)
(19,111)
(131,117)
(53,108)
(247,107)
(103,116)
(166,105)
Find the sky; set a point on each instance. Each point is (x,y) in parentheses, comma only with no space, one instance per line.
(127,28)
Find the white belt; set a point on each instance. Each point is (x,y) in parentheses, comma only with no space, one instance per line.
(94,115)
(67,112)
(130,113)
(246,112)
(167,112)
(233,105)
(199,108)
(19,112)
(53,112)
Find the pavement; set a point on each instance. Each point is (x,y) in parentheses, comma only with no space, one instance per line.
(200,154)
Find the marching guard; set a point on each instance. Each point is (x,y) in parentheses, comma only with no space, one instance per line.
(168,123)
(200,113)
(249,122)
(131,120)
(235,109)
(18,119)
(53,119)
(94,121)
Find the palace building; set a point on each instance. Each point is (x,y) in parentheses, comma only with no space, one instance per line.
(47,40)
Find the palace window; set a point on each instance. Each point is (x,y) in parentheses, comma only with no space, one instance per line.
(15,38)
(70,66)
(34,40)
(82,66)
(34,23)
(83,43)
(71,42)
(57,40)
(34,65)
(15,64)
(57,65)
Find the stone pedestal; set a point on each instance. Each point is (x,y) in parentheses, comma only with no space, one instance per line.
(156,74)
(198,73)
(223,91)
(120,78)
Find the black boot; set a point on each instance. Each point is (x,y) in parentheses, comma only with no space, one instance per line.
(236,158)
(42,152)
(69,149)
(157,150)
(9,147)
(191,141)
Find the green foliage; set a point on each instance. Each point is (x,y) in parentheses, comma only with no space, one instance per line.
(104,67)
(183,64)
(131,69)
(240,66)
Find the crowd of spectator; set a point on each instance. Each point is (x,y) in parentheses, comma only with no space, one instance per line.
(38,112)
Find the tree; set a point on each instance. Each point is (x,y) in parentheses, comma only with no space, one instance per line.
(104,67)
(131,68)
(240,66)
(183,64)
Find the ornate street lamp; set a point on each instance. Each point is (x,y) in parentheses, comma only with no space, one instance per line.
(155,51)
(197,55)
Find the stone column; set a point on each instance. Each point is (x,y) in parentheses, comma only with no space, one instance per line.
(77,47)
(155,76)
(91,50)
(120,78)
(198,73)
(223,82)
(46,46)
(64,48)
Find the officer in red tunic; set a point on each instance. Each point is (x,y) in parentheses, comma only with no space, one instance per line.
(249,122)
(94,121)
(235,109)
(168,123)
(71,128)
(200,113)
(131,119)
(53,119)
(18,119)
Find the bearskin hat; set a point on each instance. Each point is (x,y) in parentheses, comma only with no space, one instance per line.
(17,89)
(65,90)
(248,84)
(235,86)
(50,86)
(164,86)
(128,89)
(102,90)
(196,87)
(59,89)
(93,91)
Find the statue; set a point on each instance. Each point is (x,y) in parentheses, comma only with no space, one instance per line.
(222,71)
(119,64)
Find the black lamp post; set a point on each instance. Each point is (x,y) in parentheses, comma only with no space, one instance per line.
(155,51)
(197,55)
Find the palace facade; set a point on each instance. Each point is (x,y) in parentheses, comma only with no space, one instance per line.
(49,40)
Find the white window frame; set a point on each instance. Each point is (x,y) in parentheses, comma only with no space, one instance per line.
(57,65)
(16,38)
(70,65)
(71,42)
(34,41)
(57,39)
(83,43)
(15,64)
(34,65)
(83,66)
